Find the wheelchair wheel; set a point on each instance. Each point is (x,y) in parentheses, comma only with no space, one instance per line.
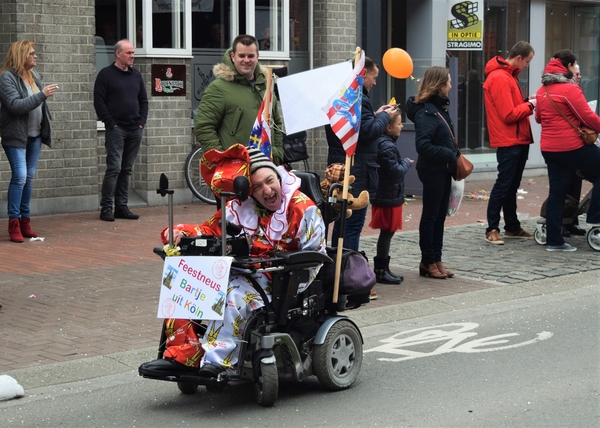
(540,234)
(337,361)
(194,180)
(593,238)
(266,385)
(187,388)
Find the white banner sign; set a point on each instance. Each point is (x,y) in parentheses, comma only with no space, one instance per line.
(194,287)
(303,95)
(465,25)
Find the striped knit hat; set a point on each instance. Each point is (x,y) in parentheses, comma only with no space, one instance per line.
(259,160)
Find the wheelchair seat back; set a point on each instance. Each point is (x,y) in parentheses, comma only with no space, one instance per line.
(311,187)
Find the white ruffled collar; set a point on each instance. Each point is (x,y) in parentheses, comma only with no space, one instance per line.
(245,213)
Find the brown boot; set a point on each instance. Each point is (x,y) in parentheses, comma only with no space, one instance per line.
(431,271)
(441,268)
(14,230)
(26,228)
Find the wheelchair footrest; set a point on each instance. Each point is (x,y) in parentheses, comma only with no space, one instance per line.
(165,367)
(172,371)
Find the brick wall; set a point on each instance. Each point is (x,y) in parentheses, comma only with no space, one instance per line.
(334,41)
(63,34)
(69,175)
(166,143)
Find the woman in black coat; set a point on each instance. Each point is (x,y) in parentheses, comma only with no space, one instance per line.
(434,141)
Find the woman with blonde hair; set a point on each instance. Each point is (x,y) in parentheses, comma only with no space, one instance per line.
(434,140)
(25,125)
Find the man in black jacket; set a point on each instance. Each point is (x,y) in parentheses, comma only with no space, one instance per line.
(121,102)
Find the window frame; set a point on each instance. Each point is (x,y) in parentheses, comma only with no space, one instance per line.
(283,54)
(186,51)
(145,51)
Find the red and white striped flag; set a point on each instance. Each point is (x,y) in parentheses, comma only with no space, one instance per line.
(343,109)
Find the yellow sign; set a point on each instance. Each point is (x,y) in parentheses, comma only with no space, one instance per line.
(465,25)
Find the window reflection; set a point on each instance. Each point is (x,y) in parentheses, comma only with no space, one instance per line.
(298,25)
(168,24)
(211,23)
(111,21)
(269,24)
(505,24)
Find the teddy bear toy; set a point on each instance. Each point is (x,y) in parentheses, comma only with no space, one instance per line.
(335,174)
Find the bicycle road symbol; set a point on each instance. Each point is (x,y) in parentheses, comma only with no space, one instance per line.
(452,336)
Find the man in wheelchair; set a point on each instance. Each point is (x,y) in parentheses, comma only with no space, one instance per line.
(278,217)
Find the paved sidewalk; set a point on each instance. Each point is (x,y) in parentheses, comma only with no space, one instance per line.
(91,287)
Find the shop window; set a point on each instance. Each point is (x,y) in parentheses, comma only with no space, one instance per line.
(576,26)
(111,26)
(155,27)
(505,23)
(211,24)
(281,26)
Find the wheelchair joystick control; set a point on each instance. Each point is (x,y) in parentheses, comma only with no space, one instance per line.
(163,190)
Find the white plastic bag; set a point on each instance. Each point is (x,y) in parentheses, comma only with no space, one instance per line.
(10,388)
(457,189)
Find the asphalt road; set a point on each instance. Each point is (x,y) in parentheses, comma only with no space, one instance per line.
(496,361)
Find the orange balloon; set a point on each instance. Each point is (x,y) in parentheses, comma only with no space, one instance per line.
(398,63)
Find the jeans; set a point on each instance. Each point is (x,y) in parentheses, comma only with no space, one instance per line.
(436,194)
(511,163)
(23,163)
(354,226)
(561,166)
(122,146)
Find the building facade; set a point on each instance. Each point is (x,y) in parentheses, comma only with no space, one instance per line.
(75,38)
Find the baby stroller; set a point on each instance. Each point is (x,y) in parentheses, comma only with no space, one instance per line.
(571,210)
(294,336)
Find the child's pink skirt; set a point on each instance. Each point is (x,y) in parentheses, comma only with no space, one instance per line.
(386,218)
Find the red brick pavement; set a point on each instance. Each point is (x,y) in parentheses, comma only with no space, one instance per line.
(90,287)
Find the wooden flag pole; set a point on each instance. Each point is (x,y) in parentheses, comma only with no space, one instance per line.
(338,259)
(269,90)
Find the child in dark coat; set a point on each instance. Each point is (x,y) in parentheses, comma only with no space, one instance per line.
(386,213)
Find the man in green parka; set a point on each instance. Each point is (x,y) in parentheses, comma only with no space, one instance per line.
(230,103)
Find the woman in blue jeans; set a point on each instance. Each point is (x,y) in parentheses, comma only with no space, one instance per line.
(435,164)
(25,125)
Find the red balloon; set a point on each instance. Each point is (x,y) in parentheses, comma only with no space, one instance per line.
(398,63)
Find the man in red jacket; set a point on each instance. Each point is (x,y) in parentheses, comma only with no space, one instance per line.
(510,133)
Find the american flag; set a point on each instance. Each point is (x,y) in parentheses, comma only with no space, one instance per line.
(343,109)
(261,131)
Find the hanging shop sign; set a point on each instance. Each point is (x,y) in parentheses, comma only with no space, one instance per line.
(465,25)
(168,80)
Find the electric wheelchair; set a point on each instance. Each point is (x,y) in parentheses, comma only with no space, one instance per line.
(293,337)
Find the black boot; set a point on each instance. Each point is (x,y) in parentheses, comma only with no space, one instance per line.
(382,271)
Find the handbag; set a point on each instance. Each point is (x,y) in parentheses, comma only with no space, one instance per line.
(588,135)
(356,276)
(294,147)
(464,167)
